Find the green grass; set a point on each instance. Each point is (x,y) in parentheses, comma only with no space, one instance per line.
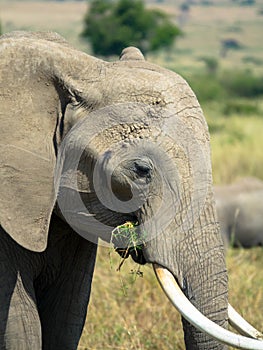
(236,142)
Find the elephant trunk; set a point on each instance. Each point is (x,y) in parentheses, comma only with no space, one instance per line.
(205,285)
(196,260)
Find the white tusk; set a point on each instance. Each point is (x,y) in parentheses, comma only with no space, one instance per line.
(241,325)
(196,318)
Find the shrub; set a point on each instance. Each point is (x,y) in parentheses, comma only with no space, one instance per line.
(111,26)
(247,2)
(211,64)
(252,59)
(240,107)
(206,87)
(242,84)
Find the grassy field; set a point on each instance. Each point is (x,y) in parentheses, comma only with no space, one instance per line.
(204,27)
(128,310)
(236,145)
(64,18)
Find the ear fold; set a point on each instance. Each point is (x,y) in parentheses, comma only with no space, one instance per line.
(29,116)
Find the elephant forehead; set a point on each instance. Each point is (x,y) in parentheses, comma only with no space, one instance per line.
(132,125)
(149,85)
(125,132)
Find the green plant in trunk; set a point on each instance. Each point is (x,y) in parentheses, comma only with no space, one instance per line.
(127,233)
(127,240)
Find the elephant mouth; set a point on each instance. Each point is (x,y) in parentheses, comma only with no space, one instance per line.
(128,242)
(135,253)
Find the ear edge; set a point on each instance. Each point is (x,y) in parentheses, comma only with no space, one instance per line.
(27,197)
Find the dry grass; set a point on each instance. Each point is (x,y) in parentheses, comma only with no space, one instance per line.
(128,311)
(245,283)
(132,313)
(236,147)
(41,15)
(63,17)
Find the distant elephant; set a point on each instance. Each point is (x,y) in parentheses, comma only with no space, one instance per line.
(240,212)
(87,146)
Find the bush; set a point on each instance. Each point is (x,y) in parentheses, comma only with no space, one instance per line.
(240,107)
(228,86)
(206,87)
(247,3)
(111,26)
(242,84)
(211,64)
(253,60)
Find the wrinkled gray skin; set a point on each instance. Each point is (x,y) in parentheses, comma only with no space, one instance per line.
(240,212)
(46,88)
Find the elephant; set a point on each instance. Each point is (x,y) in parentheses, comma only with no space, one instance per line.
(88,146)
(239,207)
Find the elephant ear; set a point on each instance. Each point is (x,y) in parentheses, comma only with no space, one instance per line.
(29,116)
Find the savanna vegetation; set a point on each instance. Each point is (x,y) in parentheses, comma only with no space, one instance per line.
(111,26)
(232,103)
(128,310)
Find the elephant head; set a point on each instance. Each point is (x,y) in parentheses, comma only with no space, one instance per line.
(239,208)
(101,144)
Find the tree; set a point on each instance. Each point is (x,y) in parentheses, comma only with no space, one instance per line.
(111,25)
(211,64)
(229,44)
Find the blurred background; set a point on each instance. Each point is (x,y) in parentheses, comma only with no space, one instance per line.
(217,46)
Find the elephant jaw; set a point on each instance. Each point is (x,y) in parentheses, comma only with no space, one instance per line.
(197,319)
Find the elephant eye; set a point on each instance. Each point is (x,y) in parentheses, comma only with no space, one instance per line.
(76,100)
(143,167)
